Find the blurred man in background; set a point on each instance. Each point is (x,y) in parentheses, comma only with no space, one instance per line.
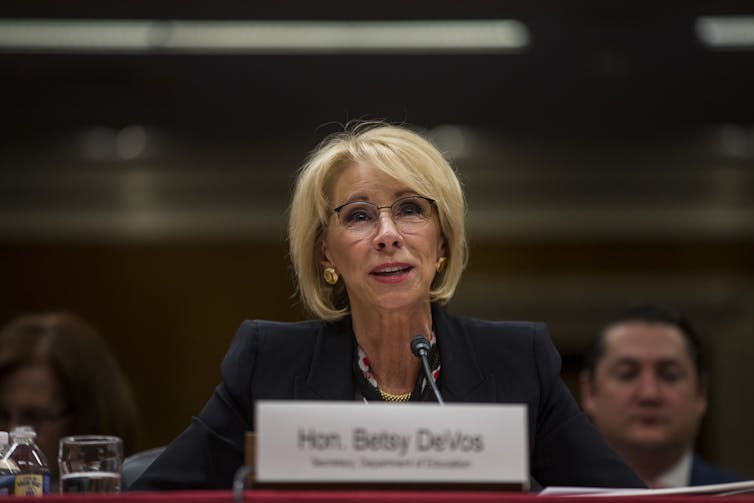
(644,388)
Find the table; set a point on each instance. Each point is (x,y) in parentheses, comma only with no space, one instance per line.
(348,496)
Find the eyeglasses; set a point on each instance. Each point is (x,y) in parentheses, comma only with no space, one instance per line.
(409,214)
(35,416)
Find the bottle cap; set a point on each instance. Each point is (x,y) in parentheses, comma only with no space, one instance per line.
(23,431)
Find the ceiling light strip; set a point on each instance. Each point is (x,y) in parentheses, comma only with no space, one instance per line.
(729,32)
(262,37)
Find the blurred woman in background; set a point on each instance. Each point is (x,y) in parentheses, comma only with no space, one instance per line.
(58,376)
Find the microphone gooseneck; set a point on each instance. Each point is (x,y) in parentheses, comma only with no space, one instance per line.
(420,348)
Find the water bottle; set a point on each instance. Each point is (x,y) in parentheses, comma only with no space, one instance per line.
(33,476)
(8,468)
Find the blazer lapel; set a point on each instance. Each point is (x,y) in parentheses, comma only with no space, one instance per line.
(331,372)
(461,378)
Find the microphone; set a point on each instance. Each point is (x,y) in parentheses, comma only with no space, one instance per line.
(420,349)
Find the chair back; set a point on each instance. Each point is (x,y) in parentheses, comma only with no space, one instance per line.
(135,464)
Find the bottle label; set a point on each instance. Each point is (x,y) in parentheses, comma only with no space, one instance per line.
(7,481)
(32,484)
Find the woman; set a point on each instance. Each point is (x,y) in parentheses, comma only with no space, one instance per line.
(378,246)
(57,375)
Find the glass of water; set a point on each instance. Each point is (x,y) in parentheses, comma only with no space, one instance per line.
(90,464)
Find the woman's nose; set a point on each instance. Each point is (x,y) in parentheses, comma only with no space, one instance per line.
(387,233)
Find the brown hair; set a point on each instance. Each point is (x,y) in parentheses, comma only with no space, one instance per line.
(97,394)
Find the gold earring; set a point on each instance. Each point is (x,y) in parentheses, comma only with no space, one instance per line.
(441,264)
(331,277)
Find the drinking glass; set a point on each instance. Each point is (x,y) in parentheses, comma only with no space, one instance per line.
(90,464)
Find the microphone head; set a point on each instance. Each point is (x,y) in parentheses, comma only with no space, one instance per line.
(419,345)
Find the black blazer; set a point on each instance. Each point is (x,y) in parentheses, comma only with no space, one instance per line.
(482,362)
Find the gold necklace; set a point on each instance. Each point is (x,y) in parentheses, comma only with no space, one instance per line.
(389,397)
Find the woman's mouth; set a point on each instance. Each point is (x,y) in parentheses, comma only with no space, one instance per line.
(393,270)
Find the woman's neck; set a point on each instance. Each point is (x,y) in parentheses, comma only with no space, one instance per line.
(385,337)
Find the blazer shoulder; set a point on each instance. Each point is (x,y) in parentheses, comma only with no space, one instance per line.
(255,337)
(521,331)
(279,329)
(496,341)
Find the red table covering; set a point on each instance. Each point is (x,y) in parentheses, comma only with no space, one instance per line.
(348,496)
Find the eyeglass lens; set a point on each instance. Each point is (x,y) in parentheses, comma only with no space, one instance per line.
(408,214)
(33,417)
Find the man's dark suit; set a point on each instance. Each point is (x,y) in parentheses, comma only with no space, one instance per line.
(703,473)
(482,361)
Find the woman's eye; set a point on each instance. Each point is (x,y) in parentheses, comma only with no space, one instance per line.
(408,209)
(358,215)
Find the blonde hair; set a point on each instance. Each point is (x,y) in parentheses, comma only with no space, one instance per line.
(401,154)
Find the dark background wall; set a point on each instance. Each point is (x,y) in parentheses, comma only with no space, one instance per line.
(611,161)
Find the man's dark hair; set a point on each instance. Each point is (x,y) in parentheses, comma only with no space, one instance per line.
(647,313)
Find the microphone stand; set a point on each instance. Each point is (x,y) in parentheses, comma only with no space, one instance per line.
(420,349)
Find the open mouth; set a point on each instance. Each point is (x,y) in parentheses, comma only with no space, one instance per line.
(392,271)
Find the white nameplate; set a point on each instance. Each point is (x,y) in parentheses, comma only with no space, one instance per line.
(324,442)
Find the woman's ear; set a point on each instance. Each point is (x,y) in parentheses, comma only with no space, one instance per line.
(441,248)
(324,259)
